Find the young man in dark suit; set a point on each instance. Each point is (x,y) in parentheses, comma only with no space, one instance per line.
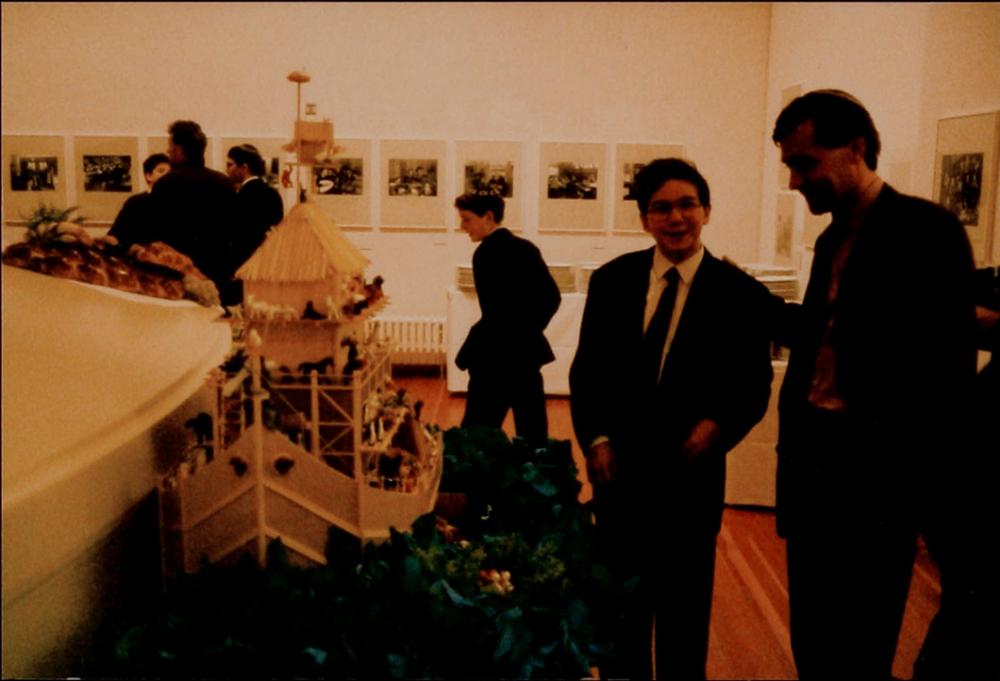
(258,209)
(872,408)
(505,350)
(134,220)
(672,370)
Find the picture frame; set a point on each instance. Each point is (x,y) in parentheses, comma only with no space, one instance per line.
(412,190)
(343,187)
(572,187)
(34,172)
(108,171)
(493,167)
(965,175)
(785,236)
(629,159)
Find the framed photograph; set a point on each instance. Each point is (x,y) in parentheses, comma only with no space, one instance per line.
(108,170)
(629,159)
(784,230)
(788,95)
(571,194)
(33,173)
(157,144)
(411,194)
(343,186)
(493,168)
(965,175)
(270,150)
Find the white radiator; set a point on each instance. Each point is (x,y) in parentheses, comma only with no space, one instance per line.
(414,340)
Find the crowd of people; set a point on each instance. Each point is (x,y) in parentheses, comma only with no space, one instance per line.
(883,434)
(216,219)
(882,413)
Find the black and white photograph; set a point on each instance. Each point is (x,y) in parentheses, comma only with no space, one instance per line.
(571,181)
(273,174)
(107,173)
(962,185)
(484,177)
(412,177)
(33,173)
(630,171)
(342,176)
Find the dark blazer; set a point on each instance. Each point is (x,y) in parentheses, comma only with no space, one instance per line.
(259,208)
(719,367)
(194,211)
(517,298)
(133,224)
(904,335)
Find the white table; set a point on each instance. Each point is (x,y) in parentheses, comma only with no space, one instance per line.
(90,378)
(563,332)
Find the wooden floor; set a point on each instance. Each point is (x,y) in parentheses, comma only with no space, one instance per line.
(749,632)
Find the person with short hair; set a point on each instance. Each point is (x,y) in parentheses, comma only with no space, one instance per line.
(258,208)
(133,222)
(871,412)
(194,206)
(505,350)
(672,370)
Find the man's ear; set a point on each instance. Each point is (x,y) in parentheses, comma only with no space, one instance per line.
(489,214)
(858,146)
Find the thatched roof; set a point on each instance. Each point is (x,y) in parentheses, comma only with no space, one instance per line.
(306,246)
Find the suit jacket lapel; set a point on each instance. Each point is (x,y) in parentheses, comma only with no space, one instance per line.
(635,299)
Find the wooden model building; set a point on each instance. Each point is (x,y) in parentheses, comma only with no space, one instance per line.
(308,432)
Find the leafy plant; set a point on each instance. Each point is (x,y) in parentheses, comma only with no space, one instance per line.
(41,224)
(421,604)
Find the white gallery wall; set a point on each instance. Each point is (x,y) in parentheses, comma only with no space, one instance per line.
(708,76)
(912,64)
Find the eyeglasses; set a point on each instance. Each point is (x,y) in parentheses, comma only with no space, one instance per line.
(662,209)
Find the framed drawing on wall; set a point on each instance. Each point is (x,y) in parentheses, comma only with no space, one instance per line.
(342,186)
(629,159)
(965,175)
(412,191)
(34,172)
(108,171)
(571,196)
(493,168)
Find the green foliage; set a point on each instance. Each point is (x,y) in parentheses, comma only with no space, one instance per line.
(42,222)
(416,606)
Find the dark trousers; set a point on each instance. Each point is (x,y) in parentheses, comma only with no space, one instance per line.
(851,529)
(964,633)
(673,593)
(494,391)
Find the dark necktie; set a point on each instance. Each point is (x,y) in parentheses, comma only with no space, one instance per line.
(656,332)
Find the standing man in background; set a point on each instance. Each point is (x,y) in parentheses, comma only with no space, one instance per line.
(195,207)
(505,350)
(871,443)
(672,370)
(258,209)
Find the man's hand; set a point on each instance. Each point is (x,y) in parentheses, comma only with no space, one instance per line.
(601,468)
(701,439)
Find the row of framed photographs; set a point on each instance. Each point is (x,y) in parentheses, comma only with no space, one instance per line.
(410,180)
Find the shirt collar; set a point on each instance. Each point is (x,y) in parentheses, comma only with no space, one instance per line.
(686,269)
(252,177)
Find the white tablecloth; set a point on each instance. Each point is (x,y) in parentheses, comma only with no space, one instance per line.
(563,333)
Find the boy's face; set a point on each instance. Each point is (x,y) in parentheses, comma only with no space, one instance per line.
(478,228)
